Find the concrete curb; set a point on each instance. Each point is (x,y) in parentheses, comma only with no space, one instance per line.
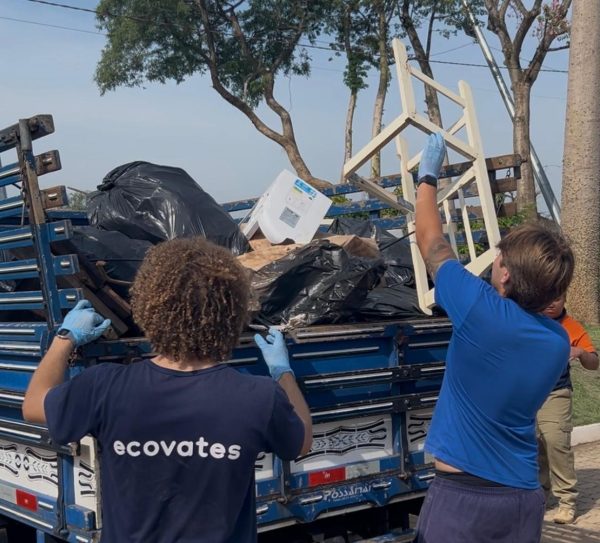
(585,434)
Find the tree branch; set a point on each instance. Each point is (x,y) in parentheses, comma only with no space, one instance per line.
(561,48)
(497,24)
(529,18)
(220,88)
(430,30)
(287,51)
(503,10)
(548,36)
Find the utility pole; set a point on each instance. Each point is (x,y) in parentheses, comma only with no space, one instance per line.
(538,170)
(581,185)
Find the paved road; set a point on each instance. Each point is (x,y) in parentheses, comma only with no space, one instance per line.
(587,526)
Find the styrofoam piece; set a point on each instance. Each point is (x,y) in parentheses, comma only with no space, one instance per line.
(289,209)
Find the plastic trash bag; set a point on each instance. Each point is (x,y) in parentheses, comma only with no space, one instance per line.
(360,227)
(116,256)
(394,251)
(316,284)
(157,203)
(392,299)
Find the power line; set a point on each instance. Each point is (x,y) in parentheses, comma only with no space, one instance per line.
(308,46)
(473,65)
(52,26)
(64,6)
(453,49)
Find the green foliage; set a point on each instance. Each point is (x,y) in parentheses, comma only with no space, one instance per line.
(341,200)
(512,220)
(243,45)
(449,16)
(77,201)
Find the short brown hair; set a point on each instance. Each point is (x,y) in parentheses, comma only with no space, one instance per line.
(540,264)
(190,297)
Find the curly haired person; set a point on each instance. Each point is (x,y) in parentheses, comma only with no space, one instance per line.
(555,419)
(503,360)
(179,433)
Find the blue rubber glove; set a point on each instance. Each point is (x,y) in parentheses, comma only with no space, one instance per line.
(84,324)
(432,157)
(275,353)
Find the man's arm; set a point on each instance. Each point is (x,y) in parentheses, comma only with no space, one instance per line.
(289,385)
(275,353)
(81,325)
(431,241)
(588,360)
(50,373)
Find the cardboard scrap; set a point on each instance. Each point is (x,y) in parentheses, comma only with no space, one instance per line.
(259,258)
(263,252)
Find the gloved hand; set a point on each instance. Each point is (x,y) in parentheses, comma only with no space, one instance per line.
(432,157)
(275,353)
(84,324)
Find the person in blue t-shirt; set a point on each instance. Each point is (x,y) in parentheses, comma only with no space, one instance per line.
(503,360)
(179,433)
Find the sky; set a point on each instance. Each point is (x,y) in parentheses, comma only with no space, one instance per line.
(48,55)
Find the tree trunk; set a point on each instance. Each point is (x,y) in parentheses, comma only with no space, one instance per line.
(291,148)
(384,79)
(348,130)
(580,190)
(526,203)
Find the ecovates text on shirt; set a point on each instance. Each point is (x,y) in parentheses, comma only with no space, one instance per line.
(201,448)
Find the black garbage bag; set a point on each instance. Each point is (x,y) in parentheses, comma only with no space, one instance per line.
(157,203)
(319,283)
(391,299)
(116,256)
(361,228)
(398,259)
(394,251)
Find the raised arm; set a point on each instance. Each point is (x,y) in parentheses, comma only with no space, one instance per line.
(431,241)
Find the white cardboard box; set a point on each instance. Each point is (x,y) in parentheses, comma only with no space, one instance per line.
(289,209)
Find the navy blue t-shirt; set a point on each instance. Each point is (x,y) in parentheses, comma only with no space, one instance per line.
(177,448)
(502,363)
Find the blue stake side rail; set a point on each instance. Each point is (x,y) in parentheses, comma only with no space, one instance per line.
(371,388)
(378,211)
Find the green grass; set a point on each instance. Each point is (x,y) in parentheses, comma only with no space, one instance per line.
(586,388)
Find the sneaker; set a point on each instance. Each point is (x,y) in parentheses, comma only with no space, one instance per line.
(564,516)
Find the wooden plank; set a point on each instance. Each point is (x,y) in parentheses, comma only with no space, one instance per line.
(377,143)
(439,88)
(47,162)
(475,213)
(54,197)
(39,126)
(508,184)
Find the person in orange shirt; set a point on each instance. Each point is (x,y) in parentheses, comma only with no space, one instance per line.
(555,419)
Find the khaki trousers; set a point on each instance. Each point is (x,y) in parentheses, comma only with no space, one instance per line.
(556,460)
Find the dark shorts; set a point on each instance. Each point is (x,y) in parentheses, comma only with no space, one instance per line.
(454,512)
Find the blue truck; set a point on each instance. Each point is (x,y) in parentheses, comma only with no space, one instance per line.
(371,388)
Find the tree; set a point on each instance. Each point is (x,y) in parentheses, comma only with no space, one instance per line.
(77,200)
(242,45)
(445,17)
(351,29)
(552,25)
(383,11)
(580,190)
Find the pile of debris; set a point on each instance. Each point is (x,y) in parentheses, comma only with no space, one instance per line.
(353,272)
